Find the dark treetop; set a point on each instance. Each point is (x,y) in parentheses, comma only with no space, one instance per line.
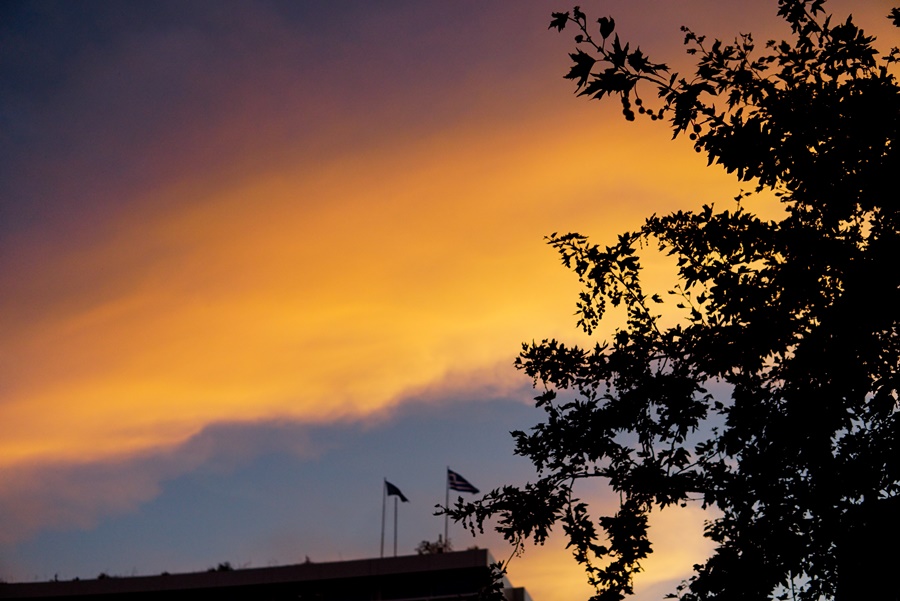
(795,319)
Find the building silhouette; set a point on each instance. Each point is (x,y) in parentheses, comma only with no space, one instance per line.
(452,576)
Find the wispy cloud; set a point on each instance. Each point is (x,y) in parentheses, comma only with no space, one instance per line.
(71,495)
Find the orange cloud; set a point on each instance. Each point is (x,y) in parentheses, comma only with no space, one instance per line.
(323,292)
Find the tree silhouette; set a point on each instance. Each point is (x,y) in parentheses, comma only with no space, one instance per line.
(795,319)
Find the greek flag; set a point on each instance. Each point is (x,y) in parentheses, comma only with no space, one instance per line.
(457,482)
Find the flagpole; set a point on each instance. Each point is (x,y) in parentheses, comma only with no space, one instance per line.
(383,503)
(395,526)
(446,504)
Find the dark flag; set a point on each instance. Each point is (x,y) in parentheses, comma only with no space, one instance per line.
(457,482)
(394,491)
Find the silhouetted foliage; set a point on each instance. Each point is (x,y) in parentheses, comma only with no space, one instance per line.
(427,547)
(495,583)
(224,566)
(792,322)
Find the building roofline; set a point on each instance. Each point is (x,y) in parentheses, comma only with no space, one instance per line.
(304,572)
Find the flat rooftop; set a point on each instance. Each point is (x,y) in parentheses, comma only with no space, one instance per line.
(454,575)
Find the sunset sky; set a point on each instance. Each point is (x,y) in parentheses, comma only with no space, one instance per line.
(257,256)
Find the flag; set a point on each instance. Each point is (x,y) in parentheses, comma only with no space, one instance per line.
(393,490)
(457,482)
